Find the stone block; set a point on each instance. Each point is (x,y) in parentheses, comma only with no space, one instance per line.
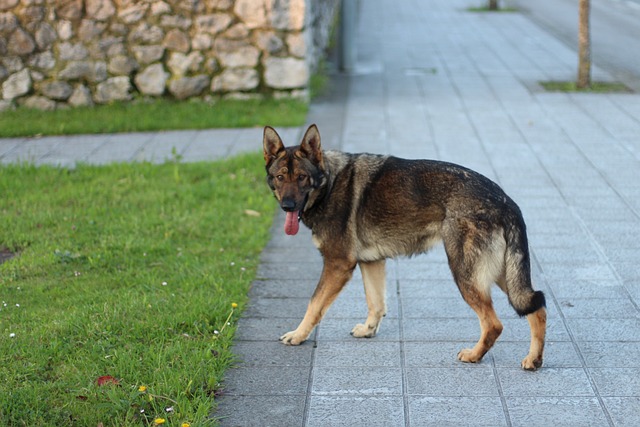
(39,103)
(289,15)
(122,65)
(186,87)
(177,41)
(297,45)
(113,89)
(213,23)
(21,43)
(152,81)
(180,63)
(90,29)
(57,90)
(233,79)
(16,85)
(45,36)
(252,12)
(175,21)
(8,23)
(160,8)
(148,54)
(133,14)
(72,51)
(146,33)
(100,10)
(286,73)
(69,9)
(81,96)
(64,29)
(8,4)
(42,61)
(236,53)
(91,71)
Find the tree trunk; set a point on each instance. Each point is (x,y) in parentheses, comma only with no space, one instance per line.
(584,46)
(493,4)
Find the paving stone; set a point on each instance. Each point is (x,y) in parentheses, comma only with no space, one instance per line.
(556,382)
(382,411)
(605,354)
(440,354)
(277,307)
(263,381)
(271,353)
(616,382)
(605,329)
(359,352)
(456,410)
(265,329)
(357,381)
(624,411)
(338,329)
(461,381)
(566,411)
(261,411)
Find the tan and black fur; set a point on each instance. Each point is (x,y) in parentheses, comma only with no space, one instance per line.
(365,208)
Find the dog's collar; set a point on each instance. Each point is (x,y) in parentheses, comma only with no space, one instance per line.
(304,207)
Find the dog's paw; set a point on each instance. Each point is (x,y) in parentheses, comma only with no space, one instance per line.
(530,363)
(467,355)
(363,331)
(292,338)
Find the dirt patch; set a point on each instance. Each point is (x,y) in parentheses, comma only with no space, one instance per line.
(6,255)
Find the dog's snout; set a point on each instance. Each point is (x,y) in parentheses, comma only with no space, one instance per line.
(288,205)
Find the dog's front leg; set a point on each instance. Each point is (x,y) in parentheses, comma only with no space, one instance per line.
(335,274)
(373,276)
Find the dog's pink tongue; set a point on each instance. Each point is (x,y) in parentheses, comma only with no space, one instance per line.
(291,224)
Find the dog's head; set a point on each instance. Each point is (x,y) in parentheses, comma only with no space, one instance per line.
(293,173)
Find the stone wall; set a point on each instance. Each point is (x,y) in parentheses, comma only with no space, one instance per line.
(80,52)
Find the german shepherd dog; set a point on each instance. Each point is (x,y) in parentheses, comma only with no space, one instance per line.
(365,208)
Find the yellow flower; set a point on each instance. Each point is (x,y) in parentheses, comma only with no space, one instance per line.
(234,305)
(159,421)
(142,388)
(185,424)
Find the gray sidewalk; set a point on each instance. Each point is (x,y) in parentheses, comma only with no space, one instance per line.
(156,147)
(435,81)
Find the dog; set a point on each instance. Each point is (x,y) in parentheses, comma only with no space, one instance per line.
(365,208)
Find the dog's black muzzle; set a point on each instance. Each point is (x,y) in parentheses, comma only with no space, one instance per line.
(288,205)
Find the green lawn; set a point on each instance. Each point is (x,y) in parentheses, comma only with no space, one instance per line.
(153,116)
(117,308)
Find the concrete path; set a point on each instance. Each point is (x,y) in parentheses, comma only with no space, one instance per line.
(435,81)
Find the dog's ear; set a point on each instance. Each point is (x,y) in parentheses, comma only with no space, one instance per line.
(310,146)
(271,144)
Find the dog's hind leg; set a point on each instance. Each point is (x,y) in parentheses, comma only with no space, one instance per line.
(538,323)
(490,326)
(373,276)
(335,274)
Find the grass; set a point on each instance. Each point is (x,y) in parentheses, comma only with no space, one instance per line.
(595,87)
(481,9)
(117,306)
(153,116)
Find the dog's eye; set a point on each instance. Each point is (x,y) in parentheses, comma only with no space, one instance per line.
(302,177)
(280,177)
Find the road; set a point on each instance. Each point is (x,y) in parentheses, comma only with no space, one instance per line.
(615,32)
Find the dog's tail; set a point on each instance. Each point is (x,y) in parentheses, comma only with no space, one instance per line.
(518,284)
